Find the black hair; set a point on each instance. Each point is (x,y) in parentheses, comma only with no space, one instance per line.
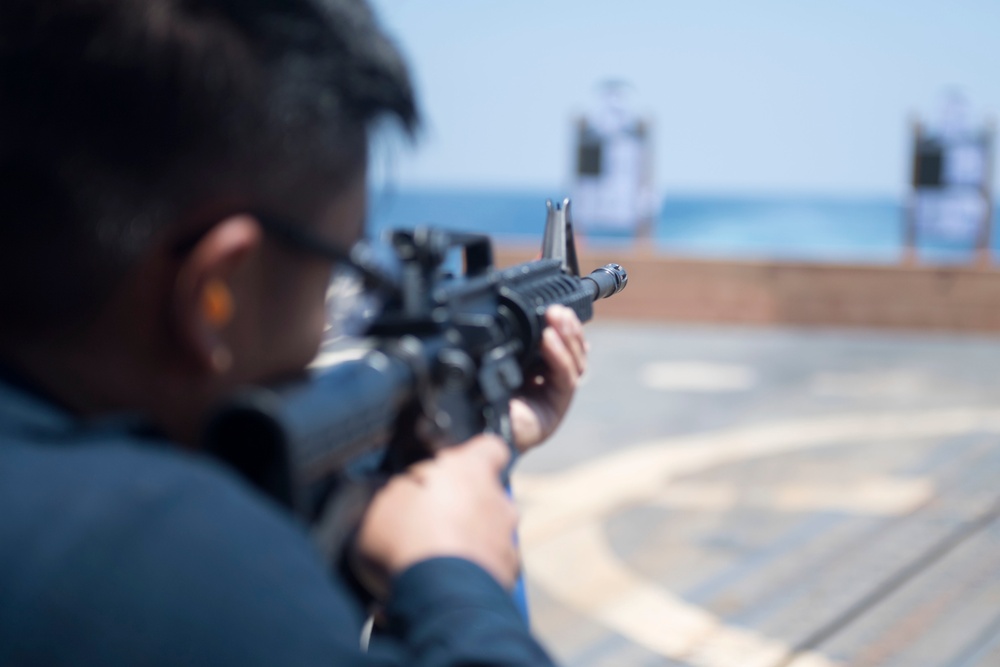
(117,116)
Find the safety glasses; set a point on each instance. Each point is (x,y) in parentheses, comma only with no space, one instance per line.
(359,283)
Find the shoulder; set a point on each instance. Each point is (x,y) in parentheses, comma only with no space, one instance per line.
(128,490)
(118,549)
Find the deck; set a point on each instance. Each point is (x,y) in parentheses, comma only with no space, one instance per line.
(726,497)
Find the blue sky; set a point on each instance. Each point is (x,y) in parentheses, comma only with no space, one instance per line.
(768,96)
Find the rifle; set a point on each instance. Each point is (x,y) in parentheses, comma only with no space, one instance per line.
(438,366)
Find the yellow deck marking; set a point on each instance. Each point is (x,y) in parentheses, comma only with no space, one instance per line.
(567,556)
(878,496)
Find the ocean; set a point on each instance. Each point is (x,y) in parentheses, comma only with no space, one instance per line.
(794,228)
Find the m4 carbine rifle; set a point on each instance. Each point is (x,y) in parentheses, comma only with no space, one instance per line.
(439,365)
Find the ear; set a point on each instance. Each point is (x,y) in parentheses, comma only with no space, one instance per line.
(205,295)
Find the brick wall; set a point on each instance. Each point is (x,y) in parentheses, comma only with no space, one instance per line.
(665,288)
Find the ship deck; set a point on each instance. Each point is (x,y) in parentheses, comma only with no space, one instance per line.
(765,497)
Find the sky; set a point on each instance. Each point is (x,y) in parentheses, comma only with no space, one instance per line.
(762,96)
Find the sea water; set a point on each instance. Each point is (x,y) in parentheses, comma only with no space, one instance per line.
(794,228)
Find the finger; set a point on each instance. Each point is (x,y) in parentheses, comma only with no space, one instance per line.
(563,373)
(420,471)
(490,450)
(569,328)
(577,341)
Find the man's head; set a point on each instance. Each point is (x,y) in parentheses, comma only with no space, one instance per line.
(139,140)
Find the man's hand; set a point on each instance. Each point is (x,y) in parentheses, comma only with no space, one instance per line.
(450,505)
(544,400)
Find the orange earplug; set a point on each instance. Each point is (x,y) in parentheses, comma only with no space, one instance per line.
(217,303)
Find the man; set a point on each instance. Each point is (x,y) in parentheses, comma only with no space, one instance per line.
(142,145)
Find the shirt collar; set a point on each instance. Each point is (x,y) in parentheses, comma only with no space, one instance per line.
(26,410)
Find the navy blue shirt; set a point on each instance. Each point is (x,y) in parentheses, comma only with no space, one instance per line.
(116,549)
